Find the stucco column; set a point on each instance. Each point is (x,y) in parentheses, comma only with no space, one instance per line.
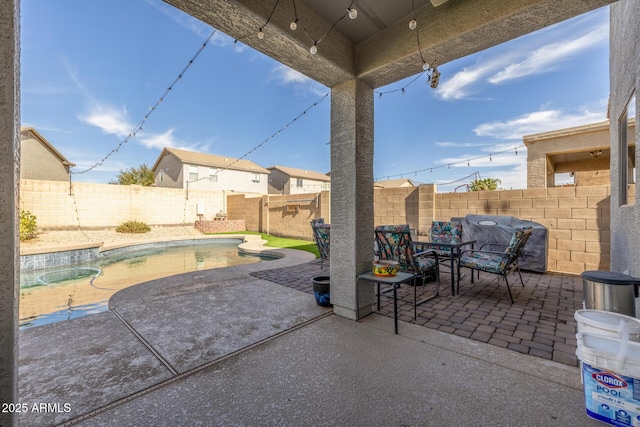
(351,196)
(9,165)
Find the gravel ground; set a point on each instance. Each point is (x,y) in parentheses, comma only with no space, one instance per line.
(106,236)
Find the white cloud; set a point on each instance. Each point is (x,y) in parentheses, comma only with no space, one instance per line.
(160,140)
(536,122)
(462,82)
(108,119)
(536,53)
(452,144)
(302,84)
(550,56)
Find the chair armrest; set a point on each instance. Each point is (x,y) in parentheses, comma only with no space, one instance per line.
(427,252)
(502,245)
(485,252)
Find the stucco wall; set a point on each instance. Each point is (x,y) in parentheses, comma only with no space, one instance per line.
(625,79)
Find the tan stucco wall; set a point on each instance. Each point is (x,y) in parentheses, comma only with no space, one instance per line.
(540,171)
(625,80)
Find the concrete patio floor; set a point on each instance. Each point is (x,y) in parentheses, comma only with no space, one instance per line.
(229,347)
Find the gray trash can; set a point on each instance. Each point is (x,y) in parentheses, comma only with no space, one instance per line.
(609,291)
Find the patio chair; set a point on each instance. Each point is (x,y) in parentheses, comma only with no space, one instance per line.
(321,235)
(444,232)
(495,262)
(394,243)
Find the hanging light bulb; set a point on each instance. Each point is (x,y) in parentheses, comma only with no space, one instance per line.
(260,34)
(435,78)
(426,66)
(413,24)
(294,25)
(353,14)
(314,49)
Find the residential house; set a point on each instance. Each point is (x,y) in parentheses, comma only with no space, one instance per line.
(177,168)
(40,160)
(394,183)
(578,155)
(286,180)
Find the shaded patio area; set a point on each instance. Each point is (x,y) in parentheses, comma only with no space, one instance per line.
(540,323)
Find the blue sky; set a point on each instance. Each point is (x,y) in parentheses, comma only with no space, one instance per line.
(91,71)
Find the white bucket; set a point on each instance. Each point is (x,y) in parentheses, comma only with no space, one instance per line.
(611,397)
(614,354)
(607,323)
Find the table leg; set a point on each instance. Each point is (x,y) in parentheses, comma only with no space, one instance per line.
(395,307)
(453,291)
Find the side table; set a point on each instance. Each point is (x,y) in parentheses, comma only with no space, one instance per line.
(395,281)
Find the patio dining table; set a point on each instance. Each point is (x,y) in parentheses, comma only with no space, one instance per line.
(454,248)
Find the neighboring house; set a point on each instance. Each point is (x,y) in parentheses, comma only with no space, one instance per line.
(394,183)
(189,169)
(285,180)
(581,152)
(40,160)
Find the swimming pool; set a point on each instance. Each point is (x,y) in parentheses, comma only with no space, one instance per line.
(61,293)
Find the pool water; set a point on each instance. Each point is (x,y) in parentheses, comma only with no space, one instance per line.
(55,295)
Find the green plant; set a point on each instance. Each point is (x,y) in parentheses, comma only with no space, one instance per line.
(133,227)
(28,225)
(141,175)
(486,184)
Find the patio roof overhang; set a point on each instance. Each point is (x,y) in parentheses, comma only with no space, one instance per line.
(378,47)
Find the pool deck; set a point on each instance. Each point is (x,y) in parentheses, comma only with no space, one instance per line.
(224,347)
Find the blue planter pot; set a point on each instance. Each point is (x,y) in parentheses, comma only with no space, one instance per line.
(321,291)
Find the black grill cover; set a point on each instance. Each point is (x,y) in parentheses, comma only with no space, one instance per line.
(499,229)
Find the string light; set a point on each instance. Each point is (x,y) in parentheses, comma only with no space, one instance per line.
(294,23)
(448,165)
(138,127)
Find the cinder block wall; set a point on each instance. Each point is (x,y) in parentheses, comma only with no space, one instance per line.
(84,205)
(577,219)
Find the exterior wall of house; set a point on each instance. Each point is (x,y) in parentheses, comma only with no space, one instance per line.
(9,186)
(540,174)
(625,81)
(282,183)
(38,162)
(227,180)
(308,186)
(279,182)
(168,174)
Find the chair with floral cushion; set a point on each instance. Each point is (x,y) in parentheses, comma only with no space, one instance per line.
(394,243)
(444,232)
(494,262)
(321,235)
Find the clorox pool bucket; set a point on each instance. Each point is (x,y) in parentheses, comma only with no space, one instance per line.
(606,323)
(611,377)
(611,397)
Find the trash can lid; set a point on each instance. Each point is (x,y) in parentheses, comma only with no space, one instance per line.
(610,278)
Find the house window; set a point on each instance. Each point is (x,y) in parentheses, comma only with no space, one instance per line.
(213,176)
(193,173)
(255,177)
(299,183)
(627,155)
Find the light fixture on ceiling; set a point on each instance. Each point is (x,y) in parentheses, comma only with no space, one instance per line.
(596,153)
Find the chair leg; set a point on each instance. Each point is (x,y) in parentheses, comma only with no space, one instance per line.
(519,274)
(508,288)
